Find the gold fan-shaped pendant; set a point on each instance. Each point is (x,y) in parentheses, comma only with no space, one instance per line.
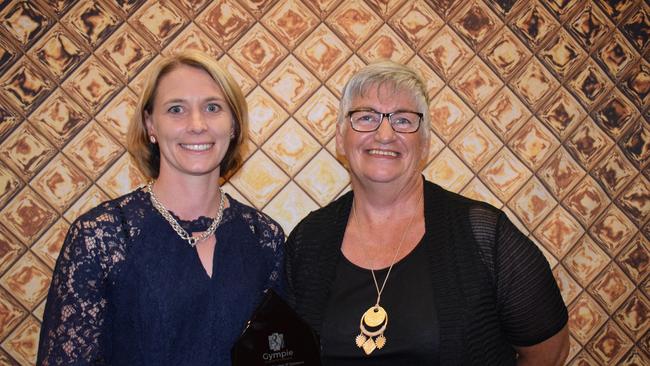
(360,340)
(380,341)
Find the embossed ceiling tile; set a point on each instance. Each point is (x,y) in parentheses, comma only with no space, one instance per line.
(611,287)
(634,315)
(476,144)
(505,53)
(636,84)
(25,86)
(9,118)
(521,227)
(48,247)
(27,216)
(589,26)
(290,83)
(245,82)
(444,7)
(585,318)
(588,143)
(574,348)
(323,52)
(91,198)
(562,113)
(12,313)
(259,179)
(121,178)
(644,343)
(587,201)
(637,27)
(93,149)
(126,52)
(291,147)
(559,232)
(258,52)
(636,143)
(562,55)
(586,260)
(117,114)
(331,147)
(615,9)
(323,178)
(448,171)
(590,84)
(635,258)
(615,114)
(446,53)
(10,183)
(25,21)
(343,74)
(475,22)
(234,193)
(92,21)
(23,342)
(39,311)
(248,148)
(610,344)
(27,280)
(505,174)
(318,115)
(354,21)
(60,182)
(563,8)
(433,82)
(192,7)
(385,44)
(478,191)
(615,55)
(584,359)
(505,113)
(476,84)
(58,52)
(265,115)
(193,38)
(635,358)
(290,21)
(258,7)
(449,114)
(534,25)
(560,173)
(10,248)
(435,146)
(225,21)
(26,151)
(288,215)
(385,7)
(534,83)
(614,171)
(532,203)
(59,118)
(159,20)
(569,288)
(322,7)
(635,200)
(415,22)
(613,230)
(533,143)
(92,85)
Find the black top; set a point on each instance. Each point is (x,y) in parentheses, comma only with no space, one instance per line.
(411,333)
(492,287)
(127,290)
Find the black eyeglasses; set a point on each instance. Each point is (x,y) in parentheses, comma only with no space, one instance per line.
(368,120)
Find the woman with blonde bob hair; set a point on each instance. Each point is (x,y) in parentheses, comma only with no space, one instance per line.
(167,274)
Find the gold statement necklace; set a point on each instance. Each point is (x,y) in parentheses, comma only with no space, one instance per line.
(191,240)
(375,320)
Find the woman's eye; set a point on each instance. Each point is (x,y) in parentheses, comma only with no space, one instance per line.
(213,108)
(175,109)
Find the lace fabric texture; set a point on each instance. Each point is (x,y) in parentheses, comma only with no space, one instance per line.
(127,290)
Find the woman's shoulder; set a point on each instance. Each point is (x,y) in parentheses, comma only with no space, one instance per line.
(338,208)
(256,220)
(108,210)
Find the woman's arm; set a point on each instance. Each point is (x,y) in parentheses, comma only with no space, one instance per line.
(551,352)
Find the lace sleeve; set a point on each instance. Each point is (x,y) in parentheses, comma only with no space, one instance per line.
(271,238)
(74,326)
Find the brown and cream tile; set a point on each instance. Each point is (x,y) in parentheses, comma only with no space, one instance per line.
(634,315)
(559,232)
(615,114)
(449,114)
(265,115)
(91,198)
(322,52)
(9,53)
(448,171)
(319,114)
(562,113)
(258,52)
(159,21)
(446,53)
(290,21)
(589,26)
(354,22)
(533,143)
(258,7)
(476,190)
(560,173)
(636,27)
(588,143)
(505,114)
(259,180)
(583,359)
(590,84)
(225,21)
(25,85)
(585,318)
(610,344)
(587,201)
(615,55)
(58,52)
(635,143)
(27,216)
(636,84)
(337,81)
(126,52)
(323,178)
(534,84)
(433,82)
(385,44)
(611,287)
(616,10)
(505,174)
(10,183)
(291,146)
(59,118)
(60,182)
(614,171)
(505,53)
(635,200)
(635,258)
(117,114)
(476,144)
(25,21)
(289,206)
(10,248)
(93,150)
(11,313)
(290,83)
(569,288)
(193,38)
(534,25)
(92,85)
(121,178)
(92,21)
(476,84)
(532,203)
(416,22)
(563,55)
(22,343)
(9,118)
(475,22)
(245,82)
(48,246)
(26,151)
(586,260)
(27,280)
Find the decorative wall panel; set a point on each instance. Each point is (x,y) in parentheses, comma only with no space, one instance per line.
(541,108)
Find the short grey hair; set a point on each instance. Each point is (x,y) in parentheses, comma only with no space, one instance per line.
(388,73)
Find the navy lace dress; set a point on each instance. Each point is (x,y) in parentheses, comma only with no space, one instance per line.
(127,290)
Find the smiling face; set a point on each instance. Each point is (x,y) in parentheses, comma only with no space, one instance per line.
(382,156)
(192,123)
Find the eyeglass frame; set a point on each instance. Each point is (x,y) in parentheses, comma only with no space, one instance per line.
(387,116)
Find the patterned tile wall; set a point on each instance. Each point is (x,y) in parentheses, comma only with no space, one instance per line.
(541,108)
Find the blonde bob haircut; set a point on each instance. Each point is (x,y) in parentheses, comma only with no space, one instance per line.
(146,154)
(387,74)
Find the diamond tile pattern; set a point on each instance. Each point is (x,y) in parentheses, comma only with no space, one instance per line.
(541,108)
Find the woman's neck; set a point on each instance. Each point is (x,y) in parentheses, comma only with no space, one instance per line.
(190,197)
(380,202)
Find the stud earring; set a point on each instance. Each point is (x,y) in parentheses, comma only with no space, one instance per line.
(232,134)
(152,139)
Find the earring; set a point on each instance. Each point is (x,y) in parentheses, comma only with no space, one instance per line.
(152,139)
(232,134)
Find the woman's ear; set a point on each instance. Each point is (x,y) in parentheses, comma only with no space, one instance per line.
(148,124)
(339,140)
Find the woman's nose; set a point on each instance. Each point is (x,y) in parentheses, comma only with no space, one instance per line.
(197,122)
(385,131)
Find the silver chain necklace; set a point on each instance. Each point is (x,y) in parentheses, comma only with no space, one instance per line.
(192,241)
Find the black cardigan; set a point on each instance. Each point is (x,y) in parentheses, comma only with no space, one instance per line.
(478,259)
